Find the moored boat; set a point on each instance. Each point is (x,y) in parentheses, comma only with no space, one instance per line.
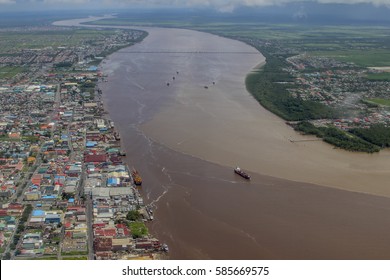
(165,248)
(136,177)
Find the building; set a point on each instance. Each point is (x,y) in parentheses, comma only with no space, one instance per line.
(52,219)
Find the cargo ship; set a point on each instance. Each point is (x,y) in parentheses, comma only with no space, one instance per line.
(136,177)
(238,171)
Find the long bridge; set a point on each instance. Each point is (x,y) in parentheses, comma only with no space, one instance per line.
(186,52)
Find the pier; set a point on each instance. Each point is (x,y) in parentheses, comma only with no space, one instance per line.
(303,140)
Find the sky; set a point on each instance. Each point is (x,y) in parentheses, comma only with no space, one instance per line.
(218,5)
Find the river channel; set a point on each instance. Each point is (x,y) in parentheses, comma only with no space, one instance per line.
(186,120)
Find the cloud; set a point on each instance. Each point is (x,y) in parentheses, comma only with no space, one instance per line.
(220,5)
(54,2)
(7,2)
(242,2)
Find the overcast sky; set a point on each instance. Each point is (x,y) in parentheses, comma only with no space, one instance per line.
(220,5)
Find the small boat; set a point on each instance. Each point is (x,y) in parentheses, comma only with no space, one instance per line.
(206,87)
(238,171)
(165,248)
(136,177)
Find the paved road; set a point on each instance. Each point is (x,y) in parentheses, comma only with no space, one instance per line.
(89,209)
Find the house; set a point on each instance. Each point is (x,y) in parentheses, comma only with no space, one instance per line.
(95,158)
(15,209)
(52,219)
(36,179)
(122,244)
(102,244)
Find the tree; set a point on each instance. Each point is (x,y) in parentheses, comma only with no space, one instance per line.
(133,215)
(20,228)
(138,229)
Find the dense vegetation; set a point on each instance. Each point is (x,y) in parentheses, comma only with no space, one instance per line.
(133,215)
(377,134)
(138,229)
(341,138)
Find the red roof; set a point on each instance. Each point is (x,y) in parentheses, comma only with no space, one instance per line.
(98,225)
(105,232)
(95,158)
(124,228)
(15,206)
(76,208)
(102,244)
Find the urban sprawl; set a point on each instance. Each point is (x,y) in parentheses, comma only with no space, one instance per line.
(66,192)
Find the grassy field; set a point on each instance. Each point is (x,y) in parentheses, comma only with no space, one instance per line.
(366,58)
(7,72)
(74,253)
(82,258)
(380,101)
(385,76)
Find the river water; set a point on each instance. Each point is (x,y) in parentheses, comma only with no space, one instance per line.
(186,137)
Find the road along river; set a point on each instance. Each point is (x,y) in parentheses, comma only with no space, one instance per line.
(180,104)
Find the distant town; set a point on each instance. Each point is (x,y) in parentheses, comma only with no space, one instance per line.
(343,85)
(66,192)
(323,91)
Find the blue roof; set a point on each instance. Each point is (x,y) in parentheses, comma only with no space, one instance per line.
(71,200)
(92,68)
(112,181)
(38,212)
(48,197)
(91,144)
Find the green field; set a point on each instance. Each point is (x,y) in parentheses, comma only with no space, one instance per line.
(366,58)
(7,72)
(379,101)
(81,258)
(384,76)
